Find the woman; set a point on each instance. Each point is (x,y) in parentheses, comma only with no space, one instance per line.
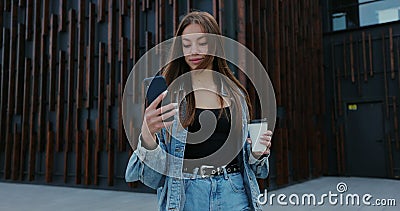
(217,171)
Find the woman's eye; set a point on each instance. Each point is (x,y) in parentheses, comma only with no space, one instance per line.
(186,46)
(203,44)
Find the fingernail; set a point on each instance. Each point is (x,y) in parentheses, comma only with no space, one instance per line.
(165,92)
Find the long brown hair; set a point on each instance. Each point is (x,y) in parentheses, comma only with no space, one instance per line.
(179,66)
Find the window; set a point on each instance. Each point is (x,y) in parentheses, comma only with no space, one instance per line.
(347,14)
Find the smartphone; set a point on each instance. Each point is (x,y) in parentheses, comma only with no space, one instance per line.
(154,86)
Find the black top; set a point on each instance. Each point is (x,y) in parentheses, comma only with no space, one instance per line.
(214,139)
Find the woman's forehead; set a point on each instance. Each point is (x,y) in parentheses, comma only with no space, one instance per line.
(193,37)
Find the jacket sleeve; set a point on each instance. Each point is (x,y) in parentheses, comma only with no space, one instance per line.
(260,166)
(148,166)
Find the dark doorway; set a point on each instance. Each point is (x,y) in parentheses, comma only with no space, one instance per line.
(364,145)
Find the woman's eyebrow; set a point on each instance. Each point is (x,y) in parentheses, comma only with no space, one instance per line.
(186,39)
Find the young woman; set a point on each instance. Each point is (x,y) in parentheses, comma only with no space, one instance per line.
(190,170)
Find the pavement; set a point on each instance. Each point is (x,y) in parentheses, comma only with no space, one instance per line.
(332,190)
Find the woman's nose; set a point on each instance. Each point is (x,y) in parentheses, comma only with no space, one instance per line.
(194,49)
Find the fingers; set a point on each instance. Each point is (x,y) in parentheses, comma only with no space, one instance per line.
(166,115)
(268,133)
(154,117)
(166,108)
(266,143)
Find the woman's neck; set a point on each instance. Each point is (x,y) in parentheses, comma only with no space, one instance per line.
(202,78)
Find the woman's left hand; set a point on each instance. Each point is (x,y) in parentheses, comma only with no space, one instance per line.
(265,139)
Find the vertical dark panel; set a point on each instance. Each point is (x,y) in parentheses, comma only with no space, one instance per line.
(395,121)
(371,72)
(110,146)
(124,75)
(278,149)
(344,58)
(221,13)
(390,155)
(111,52)
(43,95)
(100,119)
(70,99)
(22,3)
(60,102)
(352,59)
(123,5)
(29,20)
(63,15)
(1,22)
(20,69)
(7,5)
(175,15)
(110,88)
(134,26)
(161,22)
(78,156)
(241,37)
(143,5)
(16,154)
(384,75)
(49,155)
(276,48)
(90,56)
(188,5)
(42,136)
(35,90)
(364,57)
(79,134)
(391,52)
(45,18)
(11,91)
(25,115)
(88,154)
(120,33)
(148,4)
(81,55)
(215,9)
(101,15)
(53,61)
(157,20)
(285,161)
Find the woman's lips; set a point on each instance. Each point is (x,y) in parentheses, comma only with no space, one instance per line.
(196,60)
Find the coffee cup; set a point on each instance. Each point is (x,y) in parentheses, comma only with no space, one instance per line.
(256,128)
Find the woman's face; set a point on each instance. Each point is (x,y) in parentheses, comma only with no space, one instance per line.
(194,45)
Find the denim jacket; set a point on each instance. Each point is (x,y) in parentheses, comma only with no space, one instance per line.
(167,158)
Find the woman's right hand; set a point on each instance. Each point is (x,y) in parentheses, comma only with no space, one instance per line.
(153,120)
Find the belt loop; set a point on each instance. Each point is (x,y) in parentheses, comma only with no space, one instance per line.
(225,173)
(195,171)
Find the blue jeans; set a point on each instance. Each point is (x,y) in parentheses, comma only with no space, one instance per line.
(223,192)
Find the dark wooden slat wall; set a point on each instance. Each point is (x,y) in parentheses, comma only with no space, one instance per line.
(68,86)
(357,60)
(291,31)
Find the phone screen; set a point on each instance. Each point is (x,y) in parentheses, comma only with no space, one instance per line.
(154,87)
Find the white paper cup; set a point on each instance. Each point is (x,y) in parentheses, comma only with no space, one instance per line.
(256,128)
